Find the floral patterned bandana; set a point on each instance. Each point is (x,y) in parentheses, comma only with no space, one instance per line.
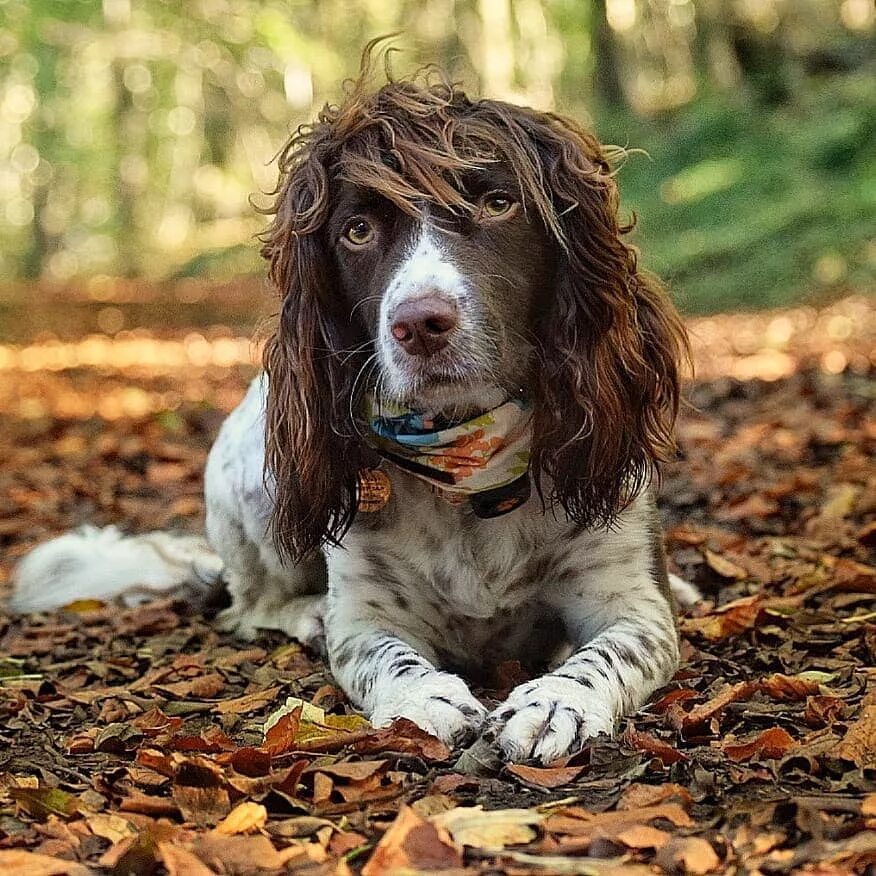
(484,460)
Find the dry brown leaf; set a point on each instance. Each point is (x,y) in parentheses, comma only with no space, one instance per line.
(661,706)
(859,743)
(575,828)
(248,703)
(205,686)
(237,854)
(699,715)
(788,688)
(243,818)
(852,577)
(110,826)
(840,501)
(688,854)
(17,862)
(412,843)
(545,777)
(652,746)
(405,737)
(642,836)
(772,743)
(729,620)
(489,831)
(180,862)
(639,795)
(199,790)
(724,567)
(203,806)
(822,711)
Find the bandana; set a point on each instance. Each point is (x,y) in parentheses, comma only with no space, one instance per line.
(484,460)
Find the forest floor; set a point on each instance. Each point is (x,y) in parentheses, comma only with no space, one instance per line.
(132,741)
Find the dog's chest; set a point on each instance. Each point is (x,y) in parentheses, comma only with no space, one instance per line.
(472,568)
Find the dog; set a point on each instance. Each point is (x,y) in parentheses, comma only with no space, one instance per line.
(449,460)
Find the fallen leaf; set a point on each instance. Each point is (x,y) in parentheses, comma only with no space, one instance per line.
(822,711)
(688,854)
(243,818)
(724,567)
(788,688)
(412,843)
(489,831)
(110,826)
(248,703)
(652,746)
(17,862)
(545,777)
(840,501)
(771,744)
(642,836)
(859,743)
(40,803)
(700,715)
(237,854)
(405,737)
(180,862)
(575,828)
(729,620)
(639,795)
(199,790)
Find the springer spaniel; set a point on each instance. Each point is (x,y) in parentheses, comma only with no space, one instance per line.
(448,460)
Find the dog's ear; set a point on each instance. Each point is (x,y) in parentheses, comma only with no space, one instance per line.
(312,455)
(608,390)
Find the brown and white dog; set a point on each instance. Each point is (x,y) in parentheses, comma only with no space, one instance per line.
(458,264)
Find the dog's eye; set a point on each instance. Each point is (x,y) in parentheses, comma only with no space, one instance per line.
(497,204)
(358,231)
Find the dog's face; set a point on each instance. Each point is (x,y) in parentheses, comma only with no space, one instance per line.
(447,253)
(450,300)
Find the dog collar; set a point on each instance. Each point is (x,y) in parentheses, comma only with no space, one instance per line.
(484,460)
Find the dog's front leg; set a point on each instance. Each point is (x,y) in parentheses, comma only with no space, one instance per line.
(626,647)
(388,677)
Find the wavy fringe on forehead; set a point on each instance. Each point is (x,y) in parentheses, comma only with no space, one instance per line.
(412,141)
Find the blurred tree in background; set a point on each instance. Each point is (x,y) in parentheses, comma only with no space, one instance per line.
(133,134)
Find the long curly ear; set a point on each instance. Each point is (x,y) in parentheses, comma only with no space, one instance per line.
(312,454)
(609,384)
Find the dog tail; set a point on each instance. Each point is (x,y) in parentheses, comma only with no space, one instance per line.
(92,563)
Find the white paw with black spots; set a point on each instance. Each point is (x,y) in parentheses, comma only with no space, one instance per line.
(439,703)
(546,719)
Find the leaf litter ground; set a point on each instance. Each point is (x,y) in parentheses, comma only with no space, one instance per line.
(134,741)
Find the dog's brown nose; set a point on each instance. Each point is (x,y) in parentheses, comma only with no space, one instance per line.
(423,326)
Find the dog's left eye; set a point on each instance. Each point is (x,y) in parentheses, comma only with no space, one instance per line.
(496,204)
(358,231)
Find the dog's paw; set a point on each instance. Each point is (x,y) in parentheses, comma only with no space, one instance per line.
(439,703)
(546,719)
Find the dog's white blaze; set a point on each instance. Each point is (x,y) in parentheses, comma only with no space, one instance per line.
(425,271)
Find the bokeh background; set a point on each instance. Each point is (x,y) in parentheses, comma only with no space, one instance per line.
(138,136)
(133,133)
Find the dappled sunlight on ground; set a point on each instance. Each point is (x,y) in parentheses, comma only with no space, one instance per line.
(140,371)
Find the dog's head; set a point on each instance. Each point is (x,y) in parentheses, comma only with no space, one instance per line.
(448,253)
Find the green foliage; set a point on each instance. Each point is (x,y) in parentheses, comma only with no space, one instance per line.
(749,208)
(134,134)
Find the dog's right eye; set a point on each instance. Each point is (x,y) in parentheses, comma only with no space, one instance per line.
(358,232)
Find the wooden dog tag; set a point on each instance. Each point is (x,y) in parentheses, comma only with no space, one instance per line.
(373,490)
